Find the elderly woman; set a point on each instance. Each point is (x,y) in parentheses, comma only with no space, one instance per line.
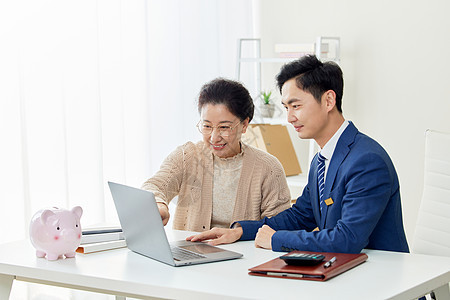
(220,180)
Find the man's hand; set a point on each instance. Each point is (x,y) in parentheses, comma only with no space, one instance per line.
(264,237)
(164,212)
(218,236)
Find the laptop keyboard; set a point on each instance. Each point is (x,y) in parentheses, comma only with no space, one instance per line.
(181,254)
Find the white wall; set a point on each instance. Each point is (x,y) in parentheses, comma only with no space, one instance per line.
(395,63)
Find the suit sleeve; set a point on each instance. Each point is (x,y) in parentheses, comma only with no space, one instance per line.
(364,188)
(298,216)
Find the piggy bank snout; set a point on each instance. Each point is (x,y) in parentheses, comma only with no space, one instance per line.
(69,234)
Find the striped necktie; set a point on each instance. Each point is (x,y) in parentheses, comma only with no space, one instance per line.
(321,178)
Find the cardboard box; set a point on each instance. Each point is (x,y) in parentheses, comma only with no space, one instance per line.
(275,140)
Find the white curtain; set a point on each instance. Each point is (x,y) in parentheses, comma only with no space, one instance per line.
(92,91)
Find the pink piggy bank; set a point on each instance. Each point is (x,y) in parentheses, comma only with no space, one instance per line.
(56,232)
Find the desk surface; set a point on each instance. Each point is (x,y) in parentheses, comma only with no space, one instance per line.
(385,275)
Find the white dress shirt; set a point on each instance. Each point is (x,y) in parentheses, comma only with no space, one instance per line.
(328,150)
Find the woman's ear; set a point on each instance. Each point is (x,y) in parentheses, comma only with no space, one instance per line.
(245,125)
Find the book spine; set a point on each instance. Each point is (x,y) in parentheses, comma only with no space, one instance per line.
(95,247)
(299,48)
(100,231)
(104,237)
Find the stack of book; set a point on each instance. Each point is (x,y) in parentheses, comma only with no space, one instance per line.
(299,50)
(100,238)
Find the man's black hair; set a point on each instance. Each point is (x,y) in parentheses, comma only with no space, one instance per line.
(313,76)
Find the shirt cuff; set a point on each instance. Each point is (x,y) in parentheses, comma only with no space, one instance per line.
(249,229)
(235,225)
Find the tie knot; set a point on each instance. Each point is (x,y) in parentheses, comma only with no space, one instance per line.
(321,157)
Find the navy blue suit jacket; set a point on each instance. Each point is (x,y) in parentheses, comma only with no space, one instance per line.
(366,210)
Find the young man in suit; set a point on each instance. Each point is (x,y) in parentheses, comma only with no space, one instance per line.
(352,199)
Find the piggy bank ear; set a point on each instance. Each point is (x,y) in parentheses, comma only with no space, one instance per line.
(45,215)
(78,211)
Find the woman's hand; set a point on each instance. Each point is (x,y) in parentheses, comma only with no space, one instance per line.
(164,212)
(218,236)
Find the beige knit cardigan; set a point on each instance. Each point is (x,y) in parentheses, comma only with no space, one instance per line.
(188,173)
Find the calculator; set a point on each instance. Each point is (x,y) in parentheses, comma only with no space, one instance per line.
(302,259)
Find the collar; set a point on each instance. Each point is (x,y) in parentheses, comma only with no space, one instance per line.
(240,154)
(328,150)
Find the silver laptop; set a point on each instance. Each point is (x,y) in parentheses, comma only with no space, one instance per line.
(144,231)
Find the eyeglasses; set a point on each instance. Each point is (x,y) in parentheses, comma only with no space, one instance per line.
(224,130)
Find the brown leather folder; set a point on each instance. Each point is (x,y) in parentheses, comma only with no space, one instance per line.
(279,269)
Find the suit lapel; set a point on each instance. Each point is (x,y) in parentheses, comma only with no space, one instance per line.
(340,153)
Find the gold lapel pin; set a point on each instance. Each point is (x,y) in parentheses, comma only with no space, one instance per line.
(329,201)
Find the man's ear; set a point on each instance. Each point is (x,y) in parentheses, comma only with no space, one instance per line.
(330,99)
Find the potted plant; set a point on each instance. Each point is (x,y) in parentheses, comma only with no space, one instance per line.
(267,108)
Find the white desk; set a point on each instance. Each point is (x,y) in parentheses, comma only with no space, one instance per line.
(386,275)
